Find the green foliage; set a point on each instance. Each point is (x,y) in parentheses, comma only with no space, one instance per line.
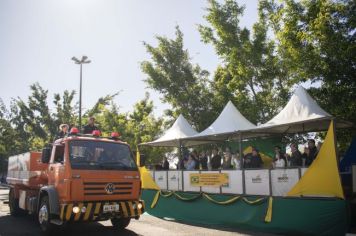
(8,138)
(65,110)
(33,119)
(317,40)
(313,41)
(251,75)
(135,127)
(30,124)
(183,85)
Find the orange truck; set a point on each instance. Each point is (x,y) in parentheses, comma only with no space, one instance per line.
(77,178)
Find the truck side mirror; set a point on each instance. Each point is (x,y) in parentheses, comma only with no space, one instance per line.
(46,155)
(142,159)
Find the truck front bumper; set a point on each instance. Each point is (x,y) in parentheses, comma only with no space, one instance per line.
(92,211)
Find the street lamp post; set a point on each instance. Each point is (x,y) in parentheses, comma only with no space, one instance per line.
(84,60)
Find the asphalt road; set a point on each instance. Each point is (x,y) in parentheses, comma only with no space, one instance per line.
(146,225)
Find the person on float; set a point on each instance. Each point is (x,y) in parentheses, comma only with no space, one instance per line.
(296,157)
(305,156)
(313,151)
(278,152)
(215,159)
(165,164)
(256,160)
(190,164)
(203,161)
(227,159)
(279,161)
(236,161)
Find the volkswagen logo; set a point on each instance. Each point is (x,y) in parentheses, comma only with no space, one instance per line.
(109,188)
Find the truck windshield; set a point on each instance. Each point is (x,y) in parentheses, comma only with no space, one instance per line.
(100,156)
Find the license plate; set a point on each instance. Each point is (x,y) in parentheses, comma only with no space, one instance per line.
(111,208)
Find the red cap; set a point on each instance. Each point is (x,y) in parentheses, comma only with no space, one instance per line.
(74,130)
(96,133)
(115,135)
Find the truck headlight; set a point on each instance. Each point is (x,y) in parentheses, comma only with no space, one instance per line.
(84,209)
(76,210)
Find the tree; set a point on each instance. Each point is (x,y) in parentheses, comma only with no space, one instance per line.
(65,110)
(135,127)
(33,120)
(317,40)
(183,85)
(30,124)
(9,138)
(251,75)
(143,127)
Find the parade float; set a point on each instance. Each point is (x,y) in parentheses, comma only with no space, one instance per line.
(293,201)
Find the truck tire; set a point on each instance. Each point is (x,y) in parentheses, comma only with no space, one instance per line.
(44,216)
(120,223)
(14,204)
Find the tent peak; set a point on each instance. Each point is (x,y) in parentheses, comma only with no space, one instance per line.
(300,107)
(179,130)
(229,120)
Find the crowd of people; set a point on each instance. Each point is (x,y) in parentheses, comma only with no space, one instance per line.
(296,158)
(217,159)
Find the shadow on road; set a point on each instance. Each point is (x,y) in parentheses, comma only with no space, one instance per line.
(27,226)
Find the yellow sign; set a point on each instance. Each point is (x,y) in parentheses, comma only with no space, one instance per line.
(209,179)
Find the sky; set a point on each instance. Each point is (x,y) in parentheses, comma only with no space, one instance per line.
(38,38)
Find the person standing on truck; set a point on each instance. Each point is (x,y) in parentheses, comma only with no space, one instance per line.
(90,127)
(63,131)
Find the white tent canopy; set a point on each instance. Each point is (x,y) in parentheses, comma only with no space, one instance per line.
(301,107)
(229,121)
(301,114)
(171,138)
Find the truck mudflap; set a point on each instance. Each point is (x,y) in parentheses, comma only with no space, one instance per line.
(91,211)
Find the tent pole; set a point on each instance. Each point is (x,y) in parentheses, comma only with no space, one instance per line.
(180,158)
(240,150)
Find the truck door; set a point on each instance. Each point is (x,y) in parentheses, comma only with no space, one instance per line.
(56,172)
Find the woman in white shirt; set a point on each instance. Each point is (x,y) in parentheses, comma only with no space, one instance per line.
(279,162)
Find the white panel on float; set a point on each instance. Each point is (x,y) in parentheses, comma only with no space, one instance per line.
(283,180)
(235,182)
(257,182)
(175,180)
(161,179)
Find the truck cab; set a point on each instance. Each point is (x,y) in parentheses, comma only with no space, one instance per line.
(86,178)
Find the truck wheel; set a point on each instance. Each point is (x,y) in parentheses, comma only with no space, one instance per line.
(14,204)
(120,223)
(44,216)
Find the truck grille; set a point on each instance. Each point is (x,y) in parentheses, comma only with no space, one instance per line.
(111,188)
